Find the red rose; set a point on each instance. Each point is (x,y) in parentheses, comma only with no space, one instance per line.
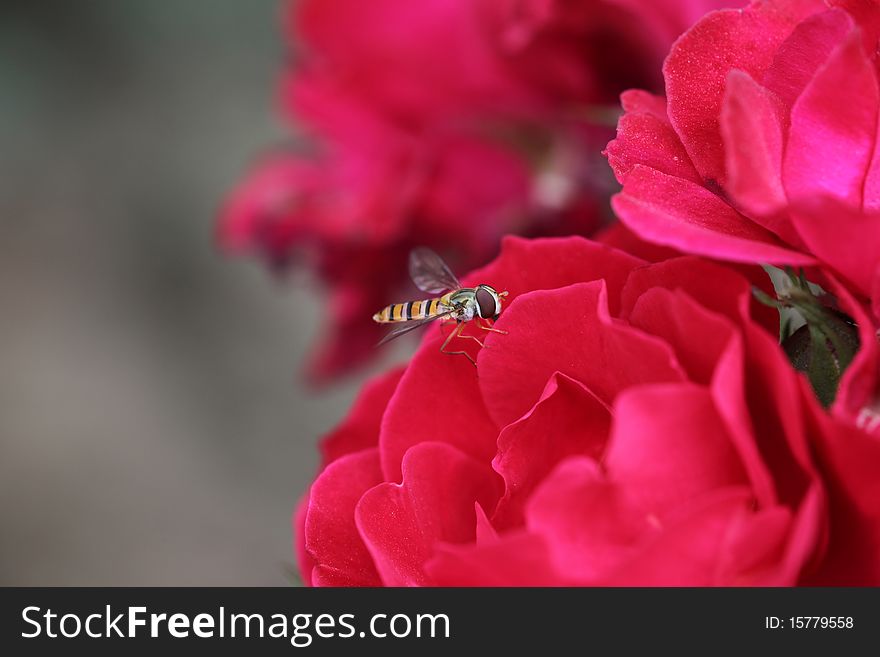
(637,425)
(433,123)
(768,129)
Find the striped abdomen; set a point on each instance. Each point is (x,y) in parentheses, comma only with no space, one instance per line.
(404,312)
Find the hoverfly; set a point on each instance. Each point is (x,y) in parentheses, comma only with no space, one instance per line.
(461,304)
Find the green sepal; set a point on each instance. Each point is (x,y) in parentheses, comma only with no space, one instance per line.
(822,371)
(825,346)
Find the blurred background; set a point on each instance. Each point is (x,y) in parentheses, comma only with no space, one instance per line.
(152,423)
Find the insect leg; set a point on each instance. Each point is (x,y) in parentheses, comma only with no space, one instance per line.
(449,338)
(456,333)
(462,335)
(492,329)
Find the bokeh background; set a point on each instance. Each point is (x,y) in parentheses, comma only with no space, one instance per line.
(152,423)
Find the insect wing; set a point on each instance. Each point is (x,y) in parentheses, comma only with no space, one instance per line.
(430,273)
(409,326)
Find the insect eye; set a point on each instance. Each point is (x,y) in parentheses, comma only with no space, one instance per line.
(486,302)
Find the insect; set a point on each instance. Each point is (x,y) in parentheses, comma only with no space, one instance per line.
(460,304)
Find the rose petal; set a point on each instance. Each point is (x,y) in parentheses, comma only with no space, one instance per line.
(669,17)
(569,331)
(645,136)
(402,523)
(772,547)
(729,396)
(362,45)
(669,445)
(590,524)
(673,316)
(867,15)
(800,55)
(858,396)
(568,419)
(332,539)
(875,295)
(485,531)
(618,236)
(774,396)
(260,213)
(687,550)
(726,290)
(454,415)
(360,429)
(844,236)
(678,213)
(755,547)
(750,126)
(472,177)
(871,190)
(697,67)
(304,560)
(850,462)
(564,261)
(516,559)
(637,101)
(834,127)
(722,542)
(807,536)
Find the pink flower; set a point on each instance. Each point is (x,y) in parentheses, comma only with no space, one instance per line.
(638,425)
(443,123)
(765,147)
